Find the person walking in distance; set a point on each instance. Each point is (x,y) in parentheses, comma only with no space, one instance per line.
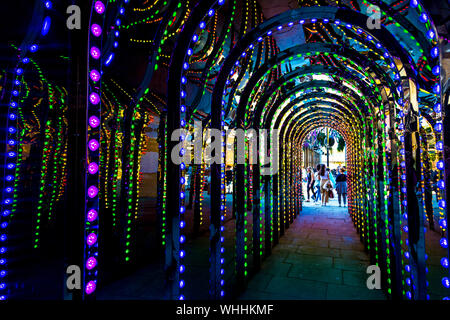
(341,187)
(324,183)
(317,185)
(310,183)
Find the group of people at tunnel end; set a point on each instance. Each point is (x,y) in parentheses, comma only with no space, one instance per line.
(321,181)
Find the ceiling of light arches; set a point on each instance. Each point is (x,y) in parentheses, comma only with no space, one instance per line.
(355,41)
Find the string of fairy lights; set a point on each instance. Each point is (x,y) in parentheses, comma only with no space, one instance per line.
(14,147)
(97,60)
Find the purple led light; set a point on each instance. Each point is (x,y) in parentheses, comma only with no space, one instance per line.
(92,215)
(96,30)
(93,145)
(94,98)
(91,263)
(92,191)
(90,287)
(95,52)
(94,122)
(91,239)
(99,7)
(95,75)
(93,168)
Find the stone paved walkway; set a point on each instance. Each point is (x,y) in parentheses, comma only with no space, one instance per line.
(320,257)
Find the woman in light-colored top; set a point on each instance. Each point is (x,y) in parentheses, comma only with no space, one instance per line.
(325,184)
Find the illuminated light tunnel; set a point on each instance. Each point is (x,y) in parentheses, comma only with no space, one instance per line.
(123,161)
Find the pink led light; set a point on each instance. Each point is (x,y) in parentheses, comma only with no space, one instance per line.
(93,168)
(94,122)
(90,287)
(95,52)
(92,191)
(99,7)
(95,75)
(91,239)
(93,145)
(92,215)
(94,98)
(91,263)
(96,30)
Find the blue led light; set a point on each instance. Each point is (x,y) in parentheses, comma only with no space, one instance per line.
(46,26)
(435,52)
(443,242)
(211,12)
(33,48)
(436,70)
(444,262)
(438,127)
(446,282)
(437,108)
(430,34)
(108,61)
(414,3)
(423,17)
